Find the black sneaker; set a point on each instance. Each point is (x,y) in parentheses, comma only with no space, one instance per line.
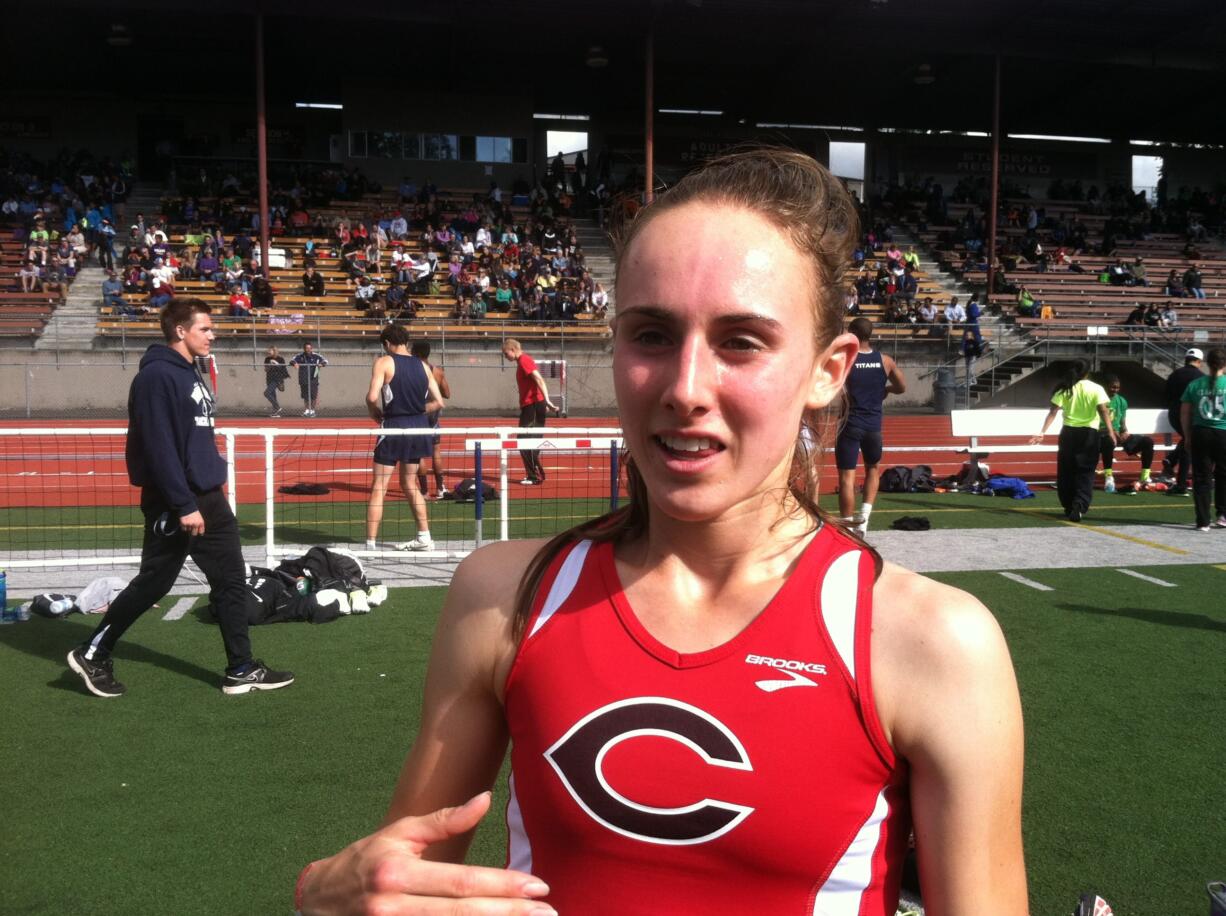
(1074,514)
(99,677)
(259,677)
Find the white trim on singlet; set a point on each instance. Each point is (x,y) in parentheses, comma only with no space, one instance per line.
(563,585)
(842,893)
(839,597)
(519,847)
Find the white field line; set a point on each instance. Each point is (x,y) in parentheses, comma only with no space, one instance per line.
(1145,578)
(1028,582)
(180,609)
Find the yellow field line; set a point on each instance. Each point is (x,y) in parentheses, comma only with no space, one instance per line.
(1125,537)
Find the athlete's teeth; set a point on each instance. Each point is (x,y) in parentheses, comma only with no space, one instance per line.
(686,445)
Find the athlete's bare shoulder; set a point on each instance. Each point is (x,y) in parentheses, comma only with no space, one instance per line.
(479,612)
(926,637)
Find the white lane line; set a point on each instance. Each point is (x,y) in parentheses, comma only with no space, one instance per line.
(1030,582)
(1145,578)
(182,606)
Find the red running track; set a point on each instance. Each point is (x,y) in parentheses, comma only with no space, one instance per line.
(45,471)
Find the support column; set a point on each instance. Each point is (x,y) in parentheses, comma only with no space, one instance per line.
(993,199)
(261,142)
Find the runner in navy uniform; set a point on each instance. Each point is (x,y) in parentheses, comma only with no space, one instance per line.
(873,376)
(402,395)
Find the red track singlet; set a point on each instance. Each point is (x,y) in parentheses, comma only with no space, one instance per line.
(750,778)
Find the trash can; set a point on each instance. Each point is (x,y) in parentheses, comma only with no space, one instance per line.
(1217,898)
(944,391)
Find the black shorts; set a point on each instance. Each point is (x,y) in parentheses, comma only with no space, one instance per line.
(854,442)
(393,450)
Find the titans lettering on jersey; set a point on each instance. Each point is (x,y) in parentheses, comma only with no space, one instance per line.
(647,781)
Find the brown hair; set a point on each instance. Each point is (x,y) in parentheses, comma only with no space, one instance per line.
(810,208)
(395,335)
(181,313)
(1216,360)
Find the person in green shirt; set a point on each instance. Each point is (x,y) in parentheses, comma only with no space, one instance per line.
(1084,405)
(1132,445)
(1203,412)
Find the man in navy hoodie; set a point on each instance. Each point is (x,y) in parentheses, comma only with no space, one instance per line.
(172,456)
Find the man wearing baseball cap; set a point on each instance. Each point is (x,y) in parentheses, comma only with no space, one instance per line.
(1177,462)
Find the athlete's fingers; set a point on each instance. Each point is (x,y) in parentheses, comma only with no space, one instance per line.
(396,905)
(418,877)
(440,825)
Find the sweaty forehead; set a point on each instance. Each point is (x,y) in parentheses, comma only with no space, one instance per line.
(714,251)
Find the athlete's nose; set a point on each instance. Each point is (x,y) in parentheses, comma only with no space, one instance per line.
(689,391)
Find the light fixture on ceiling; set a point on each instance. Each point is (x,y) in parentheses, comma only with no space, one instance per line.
(597,58)
(120,36)
(924,75)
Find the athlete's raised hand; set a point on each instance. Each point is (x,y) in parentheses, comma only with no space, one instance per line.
(385,873)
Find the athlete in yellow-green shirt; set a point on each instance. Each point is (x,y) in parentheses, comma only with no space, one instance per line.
(1084,405)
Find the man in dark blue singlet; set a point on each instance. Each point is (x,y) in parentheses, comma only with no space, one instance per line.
(873,376)
(402,395)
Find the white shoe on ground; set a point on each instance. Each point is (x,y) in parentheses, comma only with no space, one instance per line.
(421,542)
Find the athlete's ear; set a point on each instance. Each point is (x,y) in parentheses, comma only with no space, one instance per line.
(830,370)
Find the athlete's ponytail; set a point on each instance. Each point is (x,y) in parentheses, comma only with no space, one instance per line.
(1075,372)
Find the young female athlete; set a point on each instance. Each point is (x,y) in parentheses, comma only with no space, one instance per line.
(717,700)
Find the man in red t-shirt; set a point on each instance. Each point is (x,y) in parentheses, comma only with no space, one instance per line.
(534,404)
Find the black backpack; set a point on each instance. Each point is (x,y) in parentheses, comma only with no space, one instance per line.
(466,491)
(896,480)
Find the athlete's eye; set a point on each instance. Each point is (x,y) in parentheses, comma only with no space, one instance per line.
(744,344)
(649,337)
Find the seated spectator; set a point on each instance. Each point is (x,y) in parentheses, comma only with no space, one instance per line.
(1136,317)
(927,314)
(463,310)
(240,302)
(1153,315)
(1192,282)
(851,303)
(364,295)
(112,291)
(1169,317)
(1027,305)
(263,297)
(394,298)
(160,293)
(31,277)
(1139,272)
(955,314)
(312,282)
(504,296)
(353,259)
(1174,285)
(398,229)
(600,300)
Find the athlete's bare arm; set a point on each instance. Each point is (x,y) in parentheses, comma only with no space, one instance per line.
(540,383)
(454,760)
(380,375)
(948,702)
(434,400)
(896,381)
(440,376)
(1047,421)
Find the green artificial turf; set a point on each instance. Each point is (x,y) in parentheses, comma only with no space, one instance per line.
(1122,690)
(177,799)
